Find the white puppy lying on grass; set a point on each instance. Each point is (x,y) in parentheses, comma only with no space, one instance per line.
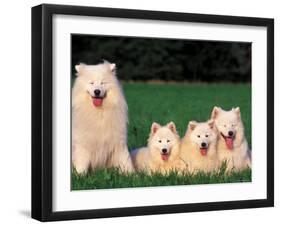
(162,153)
(199,147)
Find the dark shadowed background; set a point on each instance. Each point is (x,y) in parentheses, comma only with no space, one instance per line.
(145,59)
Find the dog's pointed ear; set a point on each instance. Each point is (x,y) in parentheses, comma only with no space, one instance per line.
(211,123)
(112,66)
(237,111)
(215,112)
(172,127)
(154,127)
(192,125)
(79,68)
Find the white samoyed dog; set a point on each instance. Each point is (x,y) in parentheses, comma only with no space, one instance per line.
(232,144)
(199,147)
(99,119)
(162,153)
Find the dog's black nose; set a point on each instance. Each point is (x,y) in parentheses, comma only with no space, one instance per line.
(203,144)
(230,133)
(164,150)
(97,92)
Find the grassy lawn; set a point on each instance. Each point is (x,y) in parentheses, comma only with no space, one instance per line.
(171,102)
(112,178)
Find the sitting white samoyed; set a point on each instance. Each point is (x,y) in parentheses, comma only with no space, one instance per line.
(232,144)
(99,119)
(199,147)
(162,153)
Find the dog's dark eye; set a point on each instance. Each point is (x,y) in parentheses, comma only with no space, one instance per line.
(168,141)
(198,136)
(159,141)
(92,83)
(224,125)
(206,135)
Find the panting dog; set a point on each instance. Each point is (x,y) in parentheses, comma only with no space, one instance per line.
(162,152)
(232,144)
(99,119)
(199,147)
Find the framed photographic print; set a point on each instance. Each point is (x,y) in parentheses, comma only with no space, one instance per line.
(146,112)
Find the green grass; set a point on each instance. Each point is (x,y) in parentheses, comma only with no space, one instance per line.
(113,178)
(180,103)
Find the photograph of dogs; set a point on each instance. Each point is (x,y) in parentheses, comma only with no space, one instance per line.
(129,126)
(99,119)
(162,153)
(199,147)
(232,143)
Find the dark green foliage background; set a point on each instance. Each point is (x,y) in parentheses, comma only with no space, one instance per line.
(166,59)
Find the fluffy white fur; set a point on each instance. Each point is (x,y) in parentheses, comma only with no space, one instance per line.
(239,156)
(99,133)
(199,147)
(150,158)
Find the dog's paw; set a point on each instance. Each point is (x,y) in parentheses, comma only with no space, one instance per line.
(81,169)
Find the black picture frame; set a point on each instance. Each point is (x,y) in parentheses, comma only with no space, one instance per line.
(42,111)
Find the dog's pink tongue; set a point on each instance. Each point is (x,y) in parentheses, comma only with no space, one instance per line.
(203,151)
(97,102)
(164,157)
(229,142)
